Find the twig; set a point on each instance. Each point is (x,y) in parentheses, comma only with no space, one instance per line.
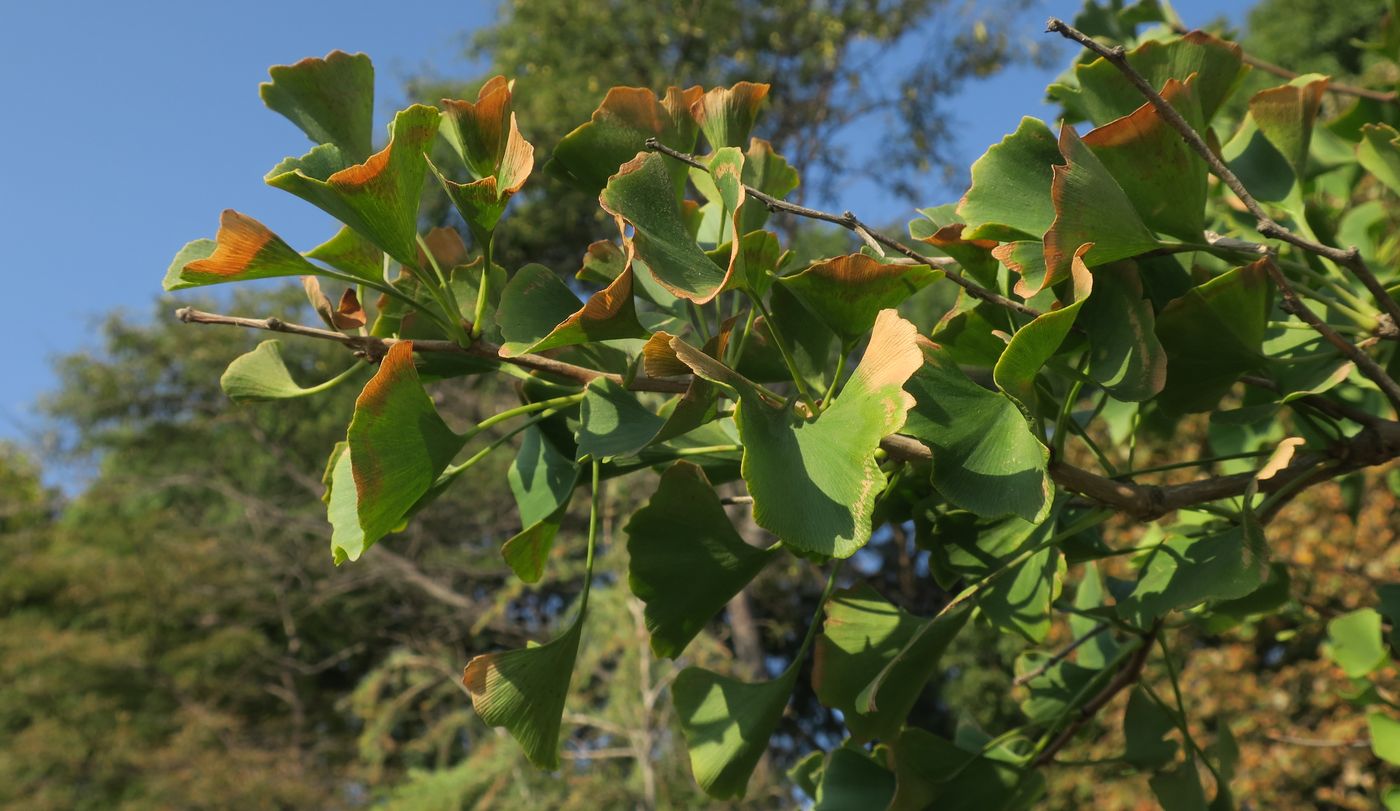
(1349,258)
(376,347)
(1318,743)
(1059,656)
(1131,672)
(849,221)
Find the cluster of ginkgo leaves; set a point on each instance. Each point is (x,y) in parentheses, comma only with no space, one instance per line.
(1107,289)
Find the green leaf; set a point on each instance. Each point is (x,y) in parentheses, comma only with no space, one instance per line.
(243,249)
(1090,208)
(1145,728)
(619,129)
(931,772)
(727,724)
(861,635)
(1010,194)
(814,483)
(847,292)
(542,480)
(853,780)
(1286,114)
(262,375)
(1354,642)
(768,172)
(350,253)
(1163,177)
(726,114)
(1186,571)
(1379,153)
(640,195)
(1089,595)
(686,559)
(1179,789)
(539,312)
(1036,342)
(524,690)
(398,443)
(1385,737)
(343,509)
(1055,691)
(613,422)
(485,136)
(1105,94)
(1212,335)
(330,99)
(379,197)
(985,457)
(1125,355)
(1389,594)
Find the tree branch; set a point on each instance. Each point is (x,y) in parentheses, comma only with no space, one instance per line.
(1131,672)
(1349,258)
(849,221)
(376,347)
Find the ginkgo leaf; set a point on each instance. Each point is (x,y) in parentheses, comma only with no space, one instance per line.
(346,314)
(847,292)
(771,174)
(1379,153)
(1212,335)
(1163,177)
(613,422)
(1036,342)
(814,483)
(619,129)
(1355,643)
(1105,94)
(933,772)
(351,253)
(262,375)
(985,457)
(398,443)
(331,99)
(1184,571)
(686,560)
(1286,114)
(379,197)
(243,249)
(640,195)
(539,312)
(727,724)
(727,114)
(863,633)
(1010,195)
(523,690)
(542,480)
(1090,208)
(1125,355)
(485,136)
(343,508)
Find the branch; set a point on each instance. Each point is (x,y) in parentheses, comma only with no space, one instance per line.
(1349,258)
(376,347)
(1131,672)
(1060,656)
(870,236)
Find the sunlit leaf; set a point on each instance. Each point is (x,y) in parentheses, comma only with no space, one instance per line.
(1354,642)
(814,483)
(331,99)
(1379,153)
(768,172)
(1286,114)
(619,129)
(542,480)
(350,253)
(726,114)
(613,422)
(640,195)
(686,560)
(1385,737)
(243,249)
(1010,194)
(847,292)
(539,312)
(985,457)
(1184,571)
(863,633)
(379,197)
(485,136)
(1125,355)
(262,375)
(727,724)
(398,443)
(1036,342)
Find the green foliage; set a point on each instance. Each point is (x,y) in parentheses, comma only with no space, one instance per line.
(1098,311)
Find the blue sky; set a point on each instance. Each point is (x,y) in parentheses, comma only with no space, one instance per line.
(134,124)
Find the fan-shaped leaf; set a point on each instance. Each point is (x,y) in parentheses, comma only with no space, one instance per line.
(331,99)
(243,249)
(619,129)
(847,292)
(726,114)
(727,724)
(1354,642)
(539,312)
(542,480)
(1010,194)
(1286,114)
(686,560)
(262,375)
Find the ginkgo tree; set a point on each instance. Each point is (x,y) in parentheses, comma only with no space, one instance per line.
(1147,266)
